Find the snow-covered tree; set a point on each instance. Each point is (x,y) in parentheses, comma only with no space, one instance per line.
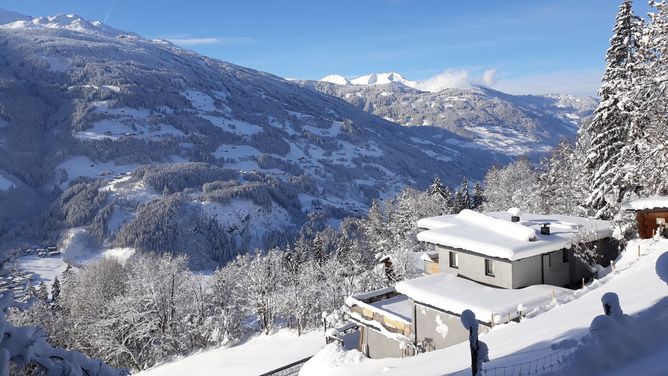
(42,292)
(55,290)
(609,130)
(462,198)
(478,196)
(515,185)
(26,348)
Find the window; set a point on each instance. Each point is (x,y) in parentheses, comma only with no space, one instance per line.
(564,255)
(489,268)
(454,260)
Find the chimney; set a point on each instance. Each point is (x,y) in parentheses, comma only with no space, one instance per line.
(515,214)
(545,229)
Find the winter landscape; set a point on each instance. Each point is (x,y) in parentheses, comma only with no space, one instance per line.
(175,203)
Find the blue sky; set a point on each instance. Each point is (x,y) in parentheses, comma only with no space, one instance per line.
(530,46)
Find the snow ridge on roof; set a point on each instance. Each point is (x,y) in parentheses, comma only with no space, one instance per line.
(454,294)
(647,203)
(493,234)
(513,230)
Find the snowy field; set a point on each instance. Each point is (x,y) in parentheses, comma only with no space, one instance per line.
(5,184)
(84,166)
(642,286)
(74,250)
(258,355)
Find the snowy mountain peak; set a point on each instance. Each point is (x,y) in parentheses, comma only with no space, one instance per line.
(70,22)
(9,17)
(382,78)
(336,79)
(370,79)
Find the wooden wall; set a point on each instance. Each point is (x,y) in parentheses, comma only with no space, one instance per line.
(647,221)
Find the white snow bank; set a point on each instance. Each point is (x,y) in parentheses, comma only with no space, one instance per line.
(258,355)
(647,203)
(510,229)
(493,234)
(120,254)
(454,294)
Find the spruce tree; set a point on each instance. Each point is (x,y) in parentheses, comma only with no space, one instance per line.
(476,199)
(463,197)
(55,290)
(42,292)
(608,131)
(646,152)
(438,189)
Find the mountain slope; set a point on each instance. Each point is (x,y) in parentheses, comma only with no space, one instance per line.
(501,122)
(238,158)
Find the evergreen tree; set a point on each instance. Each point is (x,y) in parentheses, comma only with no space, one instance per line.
(443,192)
(463,197)
(646,151)
(477,198)
(559,189)
(42,292)
(608,130)
(55,290)
(318,249)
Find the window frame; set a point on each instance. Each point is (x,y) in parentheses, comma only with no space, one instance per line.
(453,256)
(489,268)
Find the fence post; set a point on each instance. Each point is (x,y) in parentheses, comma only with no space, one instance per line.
(469,321)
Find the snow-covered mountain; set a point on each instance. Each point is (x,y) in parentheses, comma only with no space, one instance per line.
(370,79)
(156,147)
(509,124)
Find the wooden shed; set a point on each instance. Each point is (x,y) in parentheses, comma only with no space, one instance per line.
(651,215)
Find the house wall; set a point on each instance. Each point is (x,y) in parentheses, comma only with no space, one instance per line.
(472,266)
(526,272)
(647,221)
(379,346)
(427,333)
(540,269)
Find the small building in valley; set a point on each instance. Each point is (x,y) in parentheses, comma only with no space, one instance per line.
(500,265)
(651,215)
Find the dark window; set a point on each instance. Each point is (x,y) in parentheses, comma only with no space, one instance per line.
(454,260)
(489,268)
(564,255)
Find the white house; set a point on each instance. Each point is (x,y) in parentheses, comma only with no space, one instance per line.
(499,265)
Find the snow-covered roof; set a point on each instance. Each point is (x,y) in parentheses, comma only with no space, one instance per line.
(455,294)
(493,234)
(647,203)
(396,307)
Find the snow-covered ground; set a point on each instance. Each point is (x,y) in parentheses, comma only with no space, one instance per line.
(76,250)
(641,283)
(258,355)
(5,184)
(84,166)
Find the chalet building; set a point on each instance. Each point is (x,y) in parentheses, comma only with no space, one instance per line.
(500,265)
(651,215)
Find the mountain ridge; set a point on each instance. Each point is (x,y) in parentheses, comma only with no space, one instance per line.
(127,138)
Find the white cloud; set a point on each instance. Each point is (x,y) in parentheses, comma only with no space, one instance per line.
(489,77)
(450,78)
(576,82)
(190,41)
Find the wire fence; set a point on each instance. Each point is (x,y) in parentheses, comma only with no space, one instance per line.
(540,366)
